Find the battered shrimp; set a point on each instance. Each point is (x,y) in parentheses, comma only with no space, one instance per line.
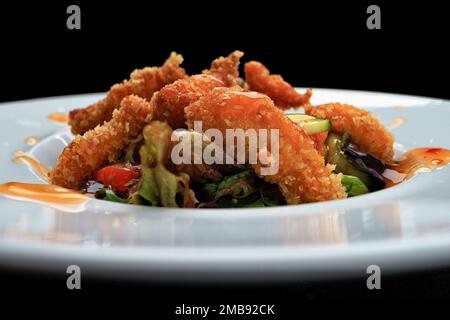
(226,68)
(302,174)
(102,145)
(284,96)
(169,103)
(364,128)
(143,83)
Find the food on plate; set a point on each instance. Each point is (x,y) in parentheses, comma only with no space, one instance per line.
(169,103)
(303,178)
(259,79)
(226,68)
(87,154)
(363,126)
(213,140)
(143,83)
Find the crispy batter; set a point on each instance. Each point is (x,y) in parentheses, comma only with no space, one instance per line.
(170,101)
(364,127)
(102,145)
(226,68)
(284,96)
(143,83)
(302,175)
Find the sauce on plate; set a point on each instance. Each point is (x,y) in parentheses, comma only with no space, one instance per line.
(58,117)
(41,170)
(41,192)
(415,161)
(31,140)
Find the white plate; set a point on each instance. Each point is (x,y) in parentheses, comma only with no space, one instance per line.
(401,228)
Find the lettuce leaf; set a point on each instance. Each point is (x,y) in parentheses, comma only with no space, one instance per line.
(159,186)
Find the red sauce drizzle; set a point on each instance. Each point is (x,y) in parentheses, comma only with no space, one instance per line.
(415,161)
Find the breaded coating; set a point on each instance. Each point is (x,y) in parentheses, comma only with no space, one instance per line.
(143,83)
(100,146)
(364,127)
(169,103)
(302,174)
(284,96)
(226,68)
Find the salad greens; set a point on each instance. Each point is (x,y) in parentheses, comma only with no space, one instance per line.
(158,185)
(243,189)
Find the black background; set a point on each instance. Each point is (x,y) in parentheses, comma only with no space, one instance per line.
(312,44)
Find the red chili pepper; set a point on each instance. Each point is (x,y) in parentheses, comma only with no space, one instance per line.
(117,176)
(319,141)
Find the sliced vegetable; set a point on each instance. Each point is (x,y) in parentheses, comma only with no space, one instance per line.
(118,176)
(353,185)
(345,164)
(365,161)
(299,117)
(310,124)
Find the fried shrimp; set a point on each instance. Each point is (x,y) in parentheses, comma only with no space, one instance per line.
(302,174)
(284,96)
(226,68)
(143,83)
(102,145)
(169,103)
(364,128)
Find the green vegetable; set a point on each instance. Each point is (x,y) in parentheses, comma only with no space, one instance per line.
(256,204)
(210,189)
(310,124)
(109,195)
(230,193)
(128,155)
(249,202)
(269,201)
(238,186)
(158,185)
(336,156)
(354,186)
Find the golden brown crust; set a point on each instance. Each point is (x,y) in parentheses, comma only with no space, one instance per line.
(100,146)
(143,83)
(302,175)
(364,127)
(226,68)
(170,101)
(284,96)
